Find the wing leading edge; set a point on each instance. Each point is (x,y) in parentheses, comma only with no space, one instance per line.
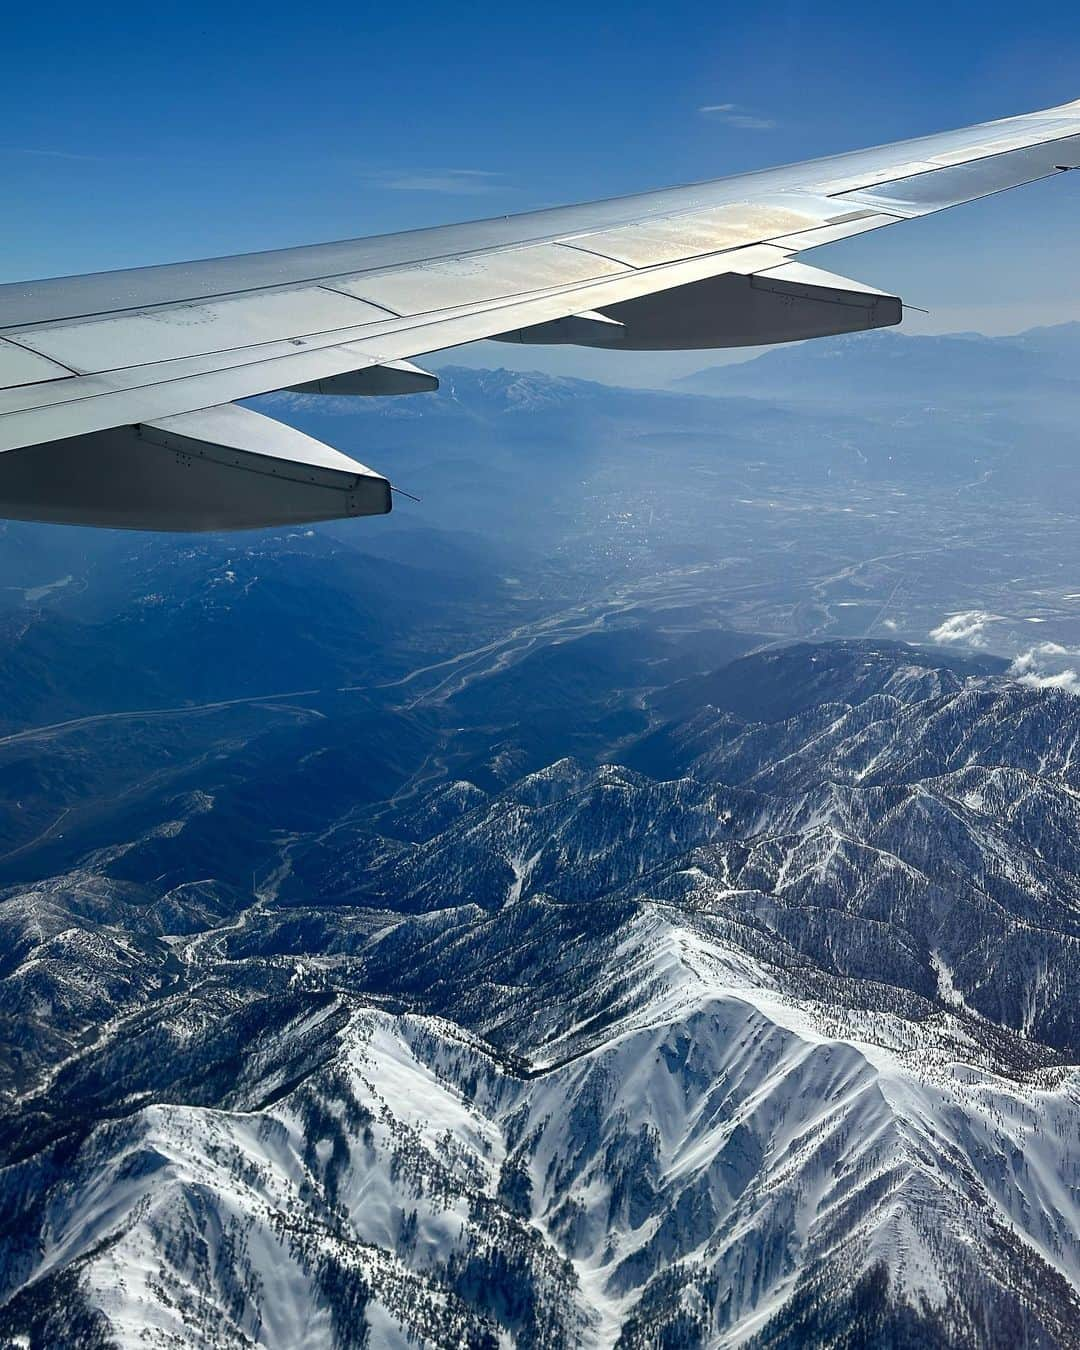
(116,389)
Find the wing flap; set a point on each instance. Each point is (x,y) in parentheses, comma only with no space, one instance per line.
(218,469)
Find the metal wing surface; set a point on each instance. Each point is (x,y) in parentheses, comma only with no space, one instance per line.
(116,389)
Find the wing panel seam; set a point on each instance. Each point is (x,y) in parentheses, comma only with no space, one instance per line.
(31,351)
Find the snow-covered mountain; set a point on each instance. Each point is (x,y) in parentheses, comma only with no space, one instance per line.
(764,1035)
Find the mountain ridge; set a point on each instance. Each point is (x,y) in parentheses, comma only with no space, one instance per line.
(593,1058)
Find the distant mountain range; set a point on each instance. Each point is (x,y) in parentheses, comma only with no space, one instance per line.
(869,367)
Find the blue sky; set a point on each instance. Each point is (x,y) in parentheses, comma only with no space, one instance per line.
(135,134)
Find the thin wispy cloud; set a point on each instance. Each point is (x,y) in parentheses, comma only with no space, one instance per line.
(36,152)
(452,182)
(732,115)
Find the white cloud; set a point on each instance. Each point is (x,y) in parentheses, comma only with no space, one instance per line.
(967,627)
(458,182)
(1039,655)
(734,116)
(1069,680)
(1048,665)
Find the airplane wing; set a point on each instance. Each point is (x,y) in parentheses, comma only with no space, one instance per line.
(117,389)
